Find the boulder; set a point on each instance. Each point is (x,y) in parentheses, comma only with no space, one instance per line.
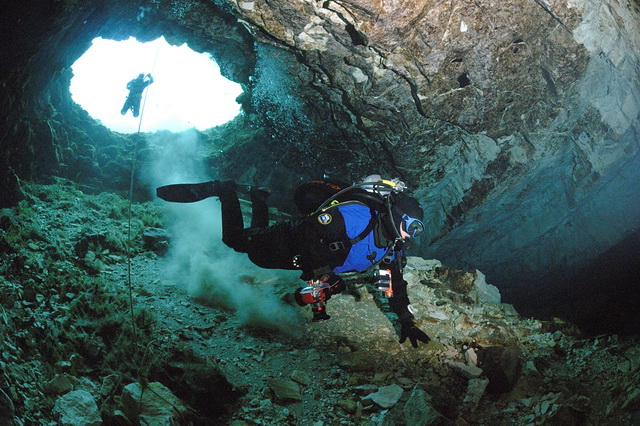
(156,240)
(152,404)
(356,361)
(418,410)
(475,390)
(77,408)
(386,396)
(483,291)
(58,385)
(502,366)
(285,391)
(300,377)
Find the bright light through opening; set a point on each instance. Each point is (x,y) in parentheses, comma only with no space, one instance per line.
(188,90)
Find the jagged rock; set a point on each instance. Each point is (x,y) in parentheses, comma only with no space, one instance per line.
(385,418)
(439,315)
(108,385)
(405,383)
(467,370)
(633,356)
(415,262)
(77,408)
(418,410)
(85,243)
(508,310)
(153,404)
(58,385)
(471,356)
(91,347)
(92,263)
(475,390)
(356,361)
(348,405)
(601,366)
(484,292)
(459,281)
(156,240)
(473,128)
(365,389)
(632,401)
(575,411)
(558,324)
(382,376)
(285,391)
(386,396)
(502,366)
(300,377)
(7,409)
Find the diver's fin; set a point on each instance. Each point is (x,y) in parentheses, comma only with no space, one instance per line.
(192,192)
(187,192)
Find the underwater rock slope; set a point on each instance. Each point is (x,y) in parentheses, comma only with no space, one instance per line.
(70,355)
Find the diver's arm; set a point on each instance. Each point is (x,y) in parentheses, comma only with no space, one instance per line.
(399,302)
(396,309)
(408,328)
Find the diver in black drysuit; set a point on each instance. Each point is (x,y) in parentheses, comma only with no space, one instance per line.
(136,87)
(348,237)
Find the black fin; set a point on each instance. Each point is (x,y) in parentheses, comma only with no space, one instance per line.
(187,192)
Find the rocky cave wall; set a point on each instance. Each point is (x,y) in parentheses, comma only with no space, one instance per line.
(44,132)
(515,123)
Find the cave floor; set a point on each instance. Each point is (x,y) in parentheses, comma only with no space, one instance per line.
(334,382)
(250,356)
(64,304)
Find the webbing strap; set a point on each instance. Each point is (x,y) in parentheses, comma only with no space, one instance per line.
(340,245)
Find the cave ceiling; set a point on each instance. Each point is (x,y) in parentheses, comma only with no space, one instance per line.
(515,123)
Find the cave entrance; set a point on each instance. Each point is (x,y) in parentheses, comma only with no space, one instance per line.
(188,90)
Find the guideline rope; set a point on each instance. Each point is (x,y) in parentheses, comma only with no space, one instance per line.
(131,181)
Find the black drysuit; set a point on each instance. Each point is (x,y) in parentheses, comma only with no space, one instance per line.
(318,248)
(135,87)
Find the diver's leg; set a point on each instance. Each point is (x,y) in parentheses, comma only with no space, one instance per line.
(125,107)
(259,209)
(136,109)
(233,233)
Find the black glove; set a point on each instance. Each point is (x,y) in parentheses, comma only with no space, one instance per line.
(410,330)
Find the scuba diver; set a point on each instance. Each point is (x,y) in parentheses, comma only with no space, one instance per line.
(136,87)
(347,234)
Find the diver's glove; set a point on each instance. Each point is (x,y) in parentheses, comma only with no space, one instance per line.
(408,329)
